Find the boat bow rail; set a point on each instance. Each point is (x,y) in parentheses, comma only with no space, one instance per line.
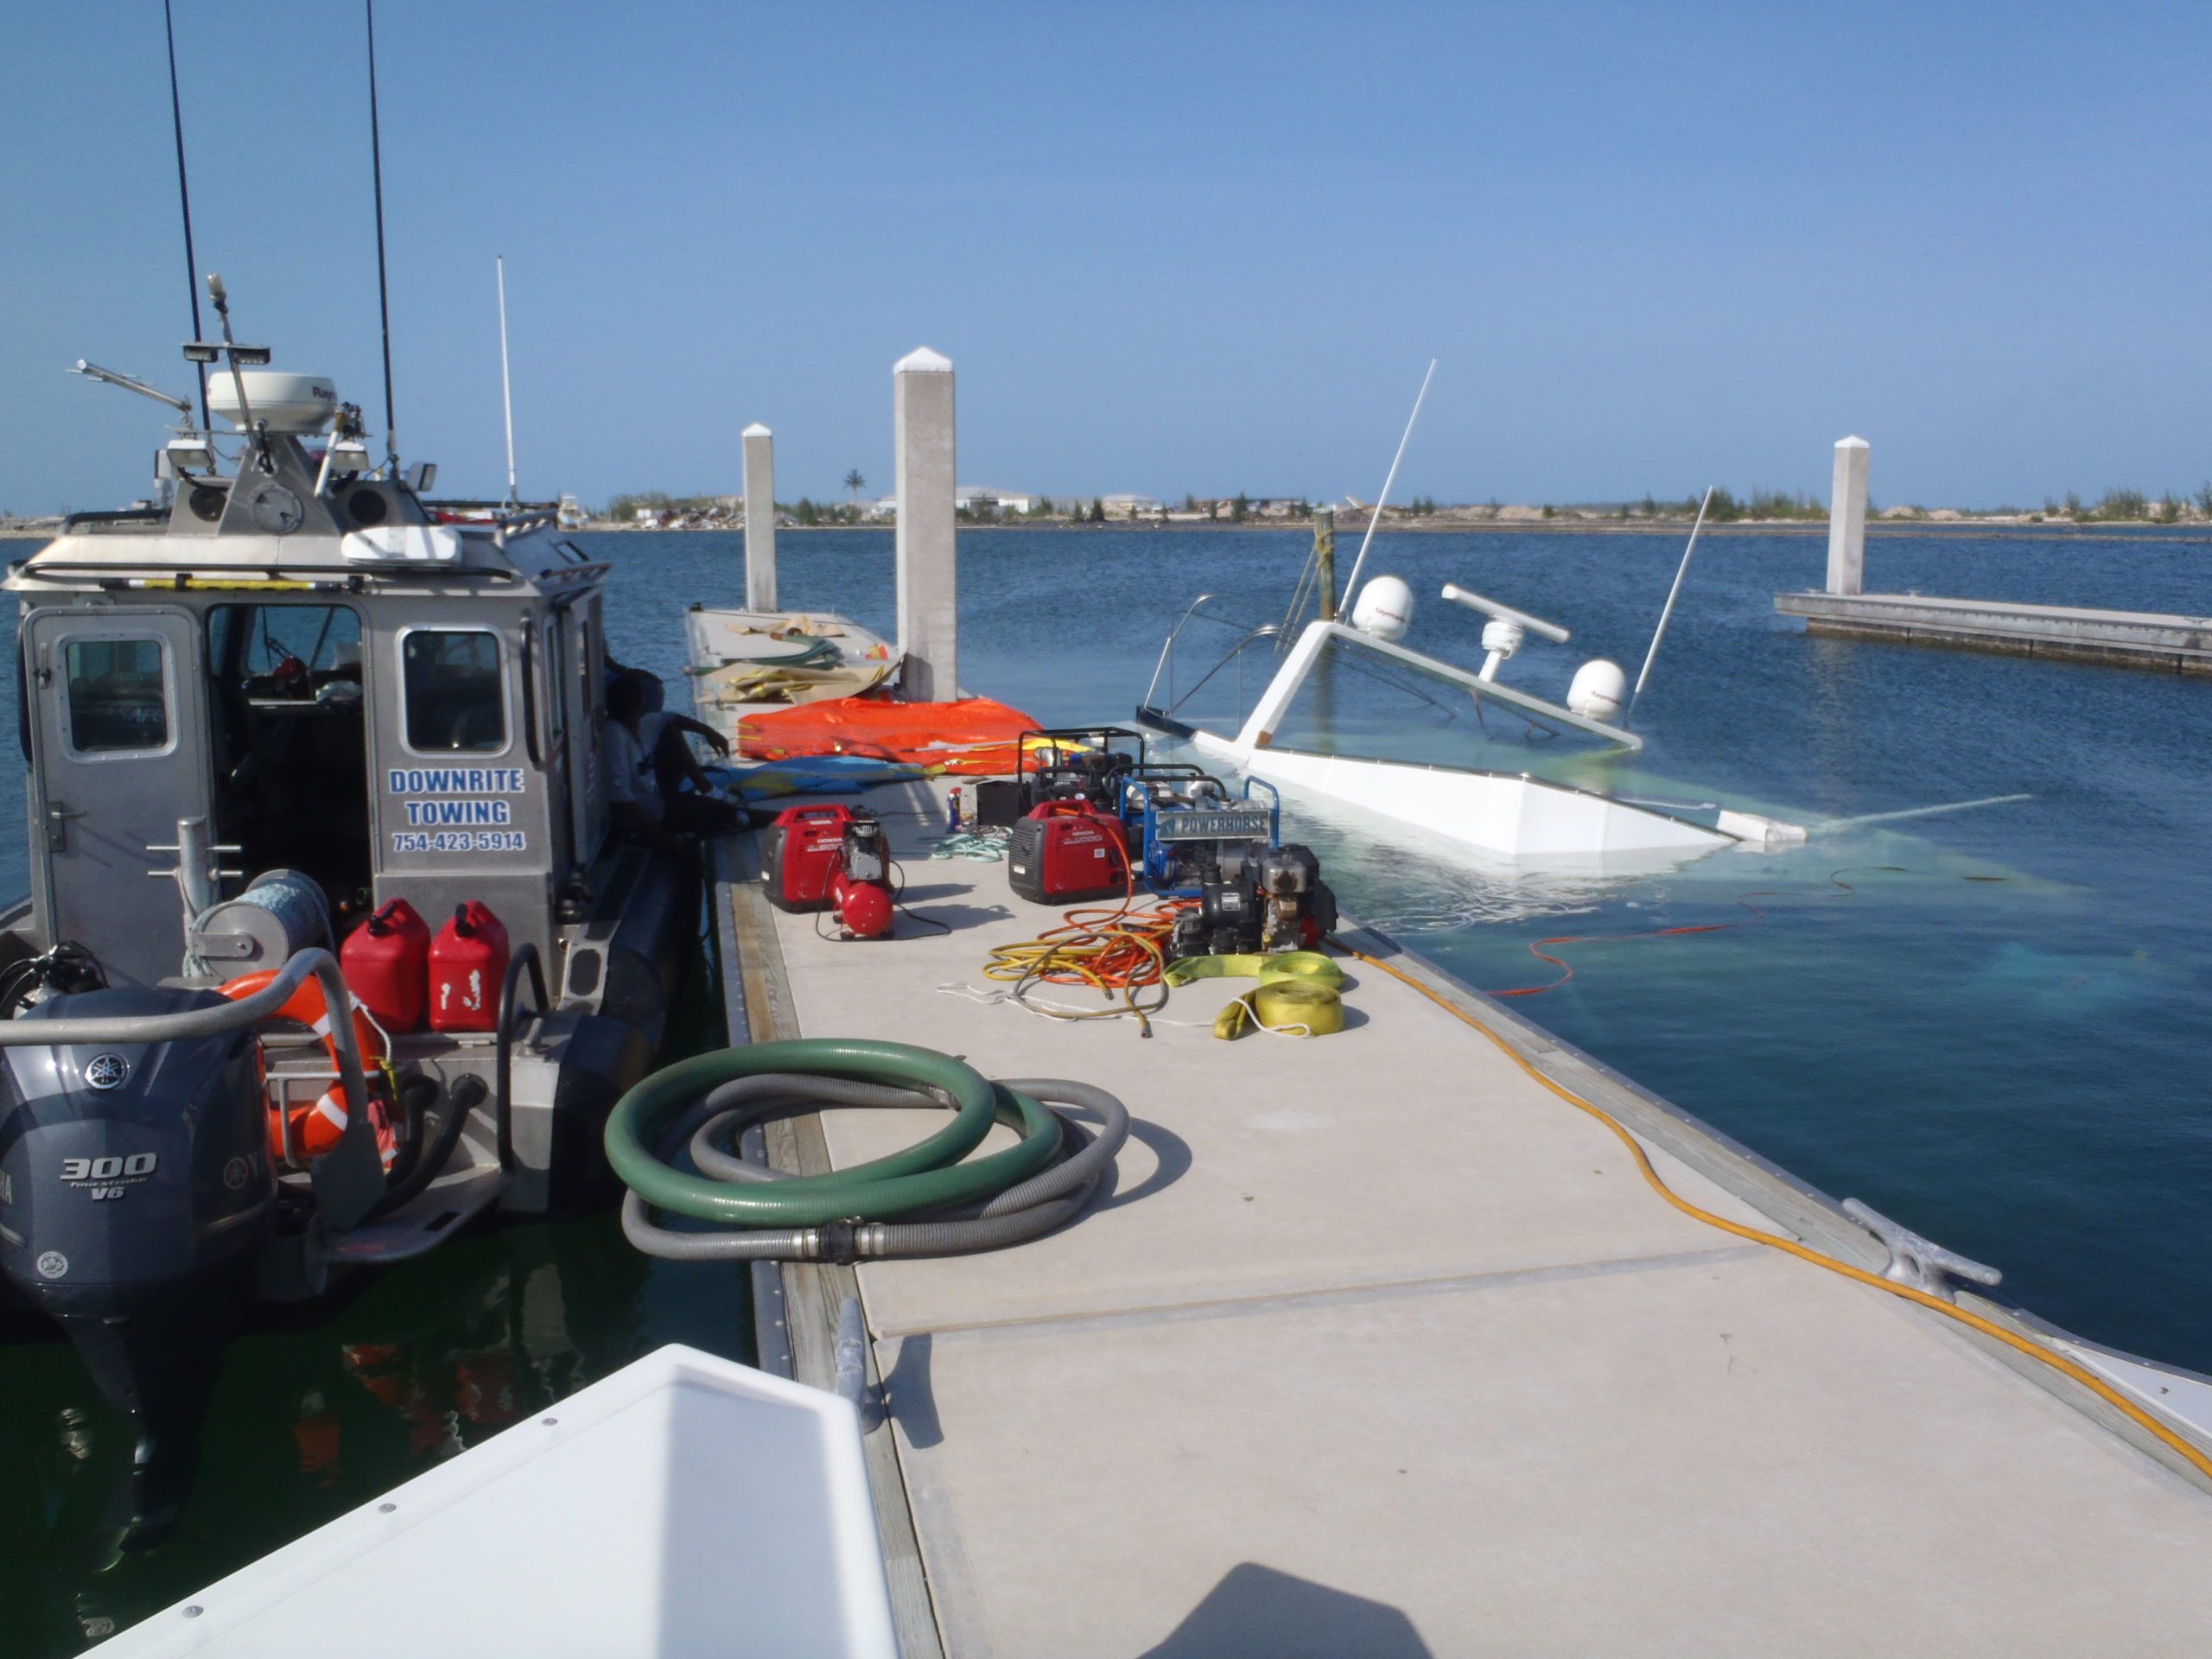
(1251,630)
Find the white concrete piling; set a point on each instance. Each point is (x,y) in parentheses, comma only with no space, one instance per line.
(928,587)
(759,519)
(1847,518)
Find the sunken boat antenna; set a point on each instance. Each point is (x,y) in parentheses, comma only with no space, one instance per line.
(184,195)
(383,289)
(1375,518)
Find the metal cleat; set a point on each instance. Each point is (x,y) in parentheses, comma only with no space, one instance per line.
(1916,1260)
(851,1350)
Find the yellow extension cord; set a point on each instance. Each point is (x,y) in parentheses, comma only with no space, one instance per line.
(2080,1374)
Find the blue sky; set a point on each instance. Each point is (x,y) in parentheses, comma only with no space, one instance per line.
(1169,248)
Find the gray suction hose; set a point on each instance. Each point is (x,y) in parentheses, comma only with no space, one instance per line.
(709,1127)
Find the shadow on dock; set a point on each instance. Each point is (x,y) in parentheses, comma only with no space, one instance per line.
(1255,1610)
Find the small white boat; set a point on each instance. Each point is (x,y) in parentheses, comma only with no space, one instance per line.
(685,1505)
(745,660)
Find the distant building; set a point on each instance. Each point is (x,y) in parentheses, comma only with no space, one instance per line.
(972,499)
(1131,506)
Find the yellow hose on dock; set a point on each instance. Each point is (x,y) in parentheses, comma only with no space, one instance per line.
(2079,1372)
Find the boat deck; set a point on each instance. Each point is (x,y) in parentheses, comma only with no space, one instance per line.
(2142,638)
(1378,1347)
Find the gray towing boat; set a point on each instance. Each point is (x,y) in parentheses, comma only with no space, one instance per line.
(252,716)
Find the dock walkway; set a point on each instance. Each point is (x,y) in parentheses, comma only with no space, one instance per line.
(2142,638)
(1379,1348)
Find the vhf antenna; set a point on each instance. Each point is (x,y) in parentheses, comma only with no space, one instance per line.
(184,193)
(383,291)
(507,385)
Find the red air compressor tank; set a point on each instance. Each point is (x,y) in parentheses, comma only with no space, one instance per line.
(1065,852)
(386,963)
(468,964)
(861,895)
(799,854)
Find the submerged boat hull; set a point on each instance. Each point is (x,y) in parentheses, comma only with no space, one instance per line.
(1503,813)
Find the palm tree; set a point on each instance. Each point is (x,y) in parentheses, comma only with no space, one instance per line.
(855,483)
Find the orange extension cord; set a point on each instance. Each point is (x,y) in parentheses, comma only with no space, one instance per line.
(2181,1447)
(1122,949)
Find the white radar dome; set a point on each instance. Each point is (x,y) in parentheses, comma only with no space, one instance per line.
(1598,690)
(1385,609)
(288,402)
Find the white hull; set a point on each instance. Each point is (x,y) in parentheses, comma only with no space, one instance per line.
(1501,813)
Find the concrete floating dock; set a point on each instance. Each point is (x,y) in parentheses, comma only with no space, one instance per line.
(1377,1347)
(2133,639)
(2141,638)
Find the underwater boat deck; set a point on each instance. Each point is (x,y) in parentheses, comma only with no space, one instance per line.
(1379,1347)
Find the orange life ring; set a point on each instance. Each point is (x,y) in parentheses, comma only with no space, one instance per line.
(316,1128)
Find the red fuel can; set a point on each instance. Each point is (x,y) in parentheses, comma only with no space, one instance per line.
(386,963)
(469,963)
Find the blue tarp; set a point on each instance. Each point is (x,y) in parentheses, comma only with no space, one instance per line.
(813,774)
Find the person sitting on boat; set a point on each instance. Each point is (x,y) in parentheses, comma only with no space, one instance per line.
(648,762)
(656,692)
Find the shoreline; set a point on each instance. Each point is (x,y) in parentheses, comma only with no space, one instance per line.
(2094,532)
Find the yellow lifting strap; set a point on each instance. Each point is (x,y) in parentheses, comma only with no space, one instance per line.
(1299,993)
(1310,966)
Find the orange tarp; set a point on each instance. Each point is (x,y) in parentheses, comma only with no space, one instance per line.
(974,735)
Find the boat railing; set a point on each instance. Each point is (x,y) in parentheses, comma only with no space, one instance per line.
(1252,629)
(345,1193)
(1219,611)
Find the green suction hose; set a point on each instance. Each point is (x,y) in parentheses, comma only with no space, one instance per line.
(982,1203)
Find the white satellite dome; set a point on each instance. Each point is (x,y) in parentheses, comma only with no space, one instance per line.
(288,402)
(1384,609)
(1598,690)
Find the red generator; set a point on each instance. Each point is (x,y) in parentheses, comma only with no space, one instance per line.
(830,858)
(468,970)
(386,963)
(798,853)
(1064,852)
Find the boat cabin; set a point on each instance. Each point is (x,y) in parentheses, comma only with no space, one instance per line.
(298,667)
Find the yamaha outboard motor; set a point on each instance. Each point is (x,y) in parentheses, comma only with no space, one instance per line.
(136,1192)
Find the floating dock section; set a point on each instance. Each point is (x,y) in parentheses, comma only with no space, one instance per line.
(2142,638)
(2135,638)
(1380,1346)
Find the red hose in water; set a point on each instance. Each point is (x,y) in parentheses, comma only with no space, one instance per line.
(1567,969)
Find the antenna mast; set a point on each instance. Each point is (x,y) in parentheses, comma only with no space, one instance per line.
(1352,583)
(184,194)
(1667,610)
(507,385)
(383,291)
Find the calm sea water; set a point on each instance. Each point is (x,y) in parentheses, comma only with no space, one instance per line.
(1991,1025)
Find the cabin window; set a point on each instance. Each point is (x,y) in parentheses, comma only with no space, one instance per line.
(118,695)
(287,653)
(456,700)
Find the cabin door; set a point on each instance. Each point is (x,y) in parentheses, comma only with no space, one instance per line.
(118,705)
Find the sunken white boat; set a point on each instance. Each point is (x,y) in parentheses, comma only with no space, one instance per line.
(1499,809)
